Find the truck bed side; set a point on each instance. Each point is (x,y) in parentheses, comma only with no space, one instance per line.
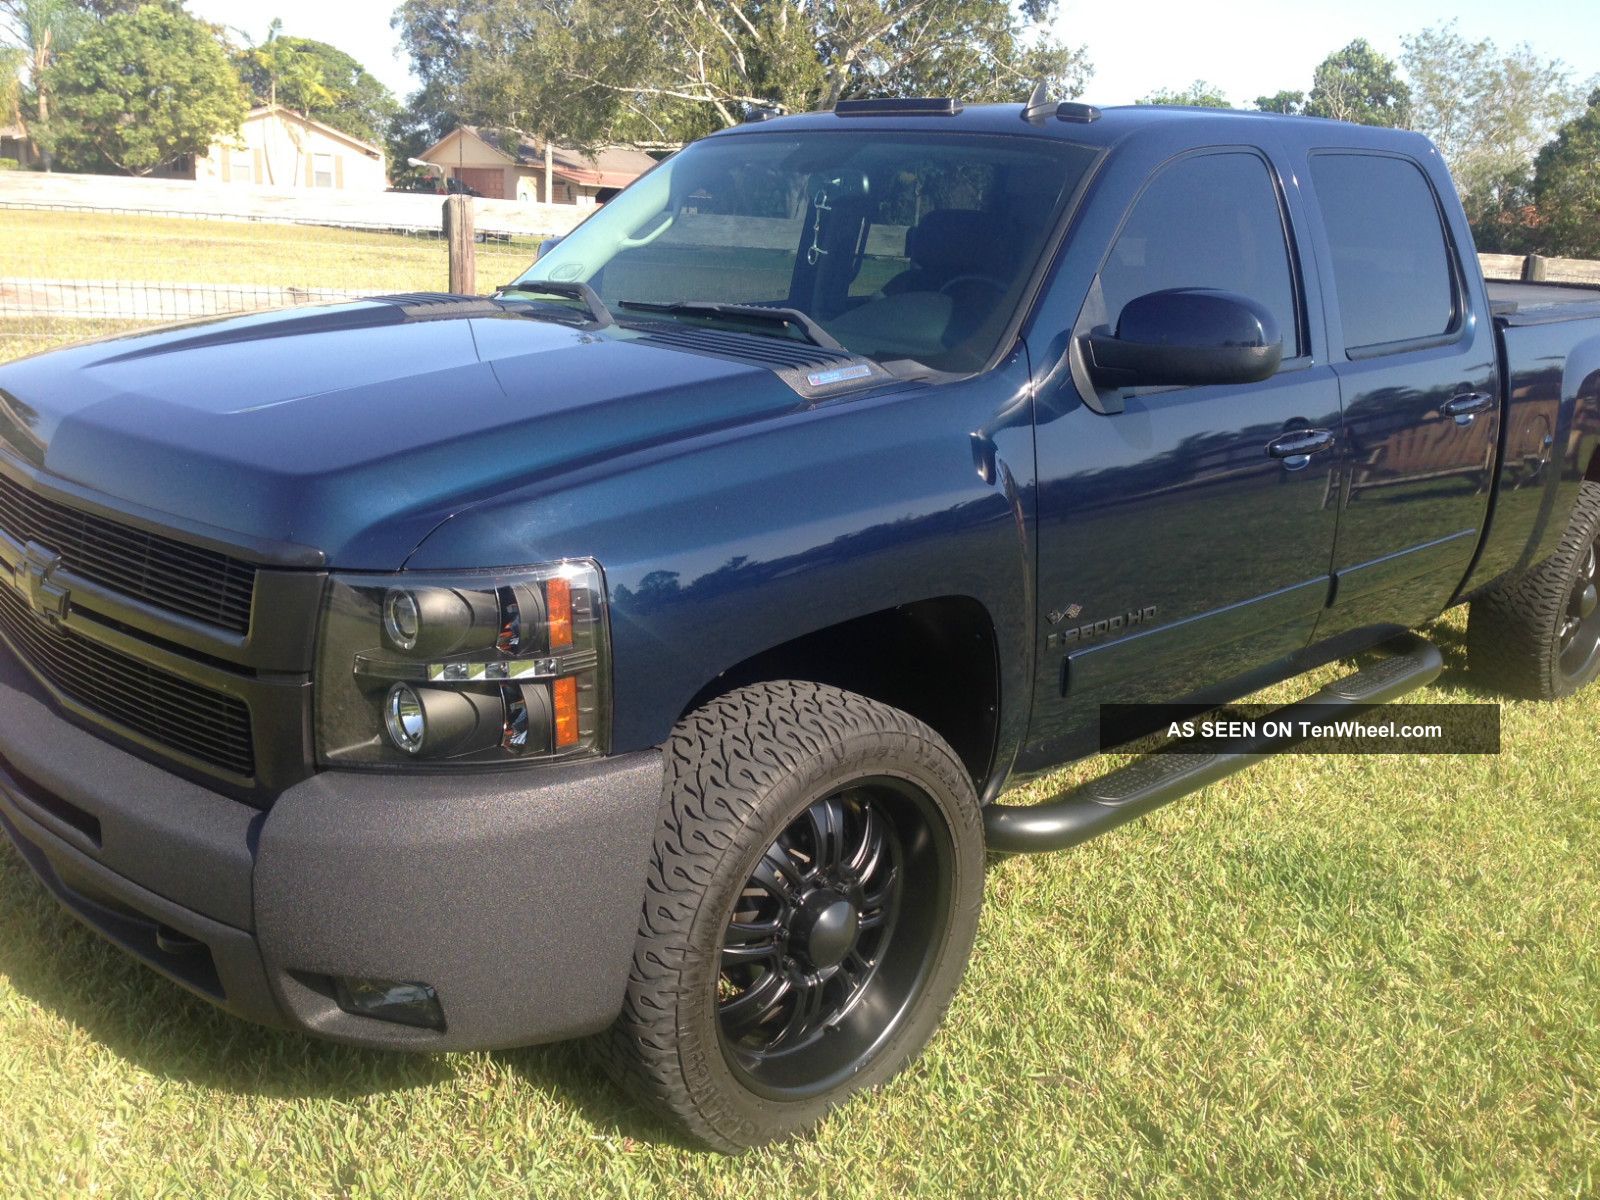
(1549,345)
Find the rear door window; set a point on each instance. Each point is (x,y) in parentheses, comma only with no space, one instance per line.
(1209,221)
(1391,264)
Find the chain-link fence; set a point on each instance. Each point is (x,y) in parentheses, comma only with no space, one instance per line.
(68,273)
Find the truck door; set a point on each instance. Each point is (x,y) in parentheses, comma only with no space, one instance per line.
(1419,382)
(1184,541)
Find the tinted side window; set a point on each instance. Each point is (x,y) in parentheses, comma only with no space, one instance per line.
(1391,266)
(1212,221)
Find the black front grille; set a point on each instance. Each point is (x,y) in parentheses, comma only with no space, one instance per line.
(171,575)
(171,711)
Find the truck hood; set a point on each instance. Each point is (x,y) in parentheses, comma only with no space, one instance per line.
(355,429)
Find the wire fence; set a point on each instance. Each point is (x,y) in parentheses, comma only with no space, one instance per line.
(71,272)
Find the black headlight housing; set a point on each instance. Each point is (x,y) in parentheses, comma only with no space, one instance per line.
(490,667)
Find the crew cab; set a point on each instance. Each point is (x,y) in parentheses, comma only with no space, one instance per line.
(645,650)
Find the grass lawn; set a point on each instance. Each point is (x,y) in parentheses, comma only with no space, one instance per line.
(1327,977)
(156,250)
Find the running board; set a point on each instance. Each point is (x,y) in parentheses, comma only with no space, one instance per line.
(1147,783)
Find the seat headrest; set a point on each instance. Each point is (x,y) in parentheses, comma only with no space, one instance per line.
(952,240)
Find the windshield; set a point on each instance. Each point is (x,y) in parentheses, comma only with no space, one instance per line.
(900,246)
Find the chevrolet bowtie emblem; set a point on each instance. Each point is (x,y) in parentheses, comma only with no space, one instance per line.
(36,581)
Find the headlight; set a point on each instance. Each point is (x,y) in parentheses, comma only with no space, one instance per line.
(467,667)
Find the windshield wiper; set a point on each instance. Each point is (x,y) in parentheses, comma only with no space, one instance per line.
(568,289)
(787,317)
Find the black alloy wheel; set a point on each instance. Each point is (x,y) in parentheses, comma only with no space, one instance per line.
(810,905)
(1537,633)
(831,938)
(1580,624)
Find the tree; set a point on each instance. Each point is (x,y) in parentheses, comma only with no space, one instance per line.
(669,70)
(12,61)
(1566,186)
(1291,103)
(1488,112)
(1198,94)
(1359,84)
(143,89)
(318,80)
(40,30)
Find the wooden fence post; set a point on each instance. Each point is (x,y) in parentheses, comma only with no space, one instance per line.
(459,236)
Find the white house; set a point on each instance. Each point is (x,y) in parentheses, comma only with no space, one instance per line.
(277,147)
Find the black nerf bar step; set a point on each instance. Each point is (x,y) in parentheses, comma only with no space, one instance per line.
(1118,797)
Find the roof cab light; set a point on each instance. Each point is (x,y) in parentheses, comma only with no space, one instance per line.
(482,667)
(911,106)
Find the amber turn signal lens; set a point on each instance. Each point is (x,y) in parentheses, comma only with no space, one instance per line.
(558,605)
(566,698)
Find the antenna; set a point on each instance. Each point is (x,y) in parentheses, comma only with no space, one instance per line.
(1039,104)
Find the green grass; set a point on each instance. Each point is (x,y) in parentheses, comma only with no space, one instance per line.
(157,250)
(1329,976)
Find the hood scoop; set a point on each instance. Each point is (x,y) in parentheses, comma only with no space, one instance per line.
(814,372)
(441,306)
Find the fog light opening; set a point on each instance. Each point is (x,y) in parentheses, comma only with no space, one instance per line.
(413,1004)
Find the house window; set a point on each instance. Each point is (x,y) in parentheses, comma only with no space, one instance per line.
(243,168)
(322,170)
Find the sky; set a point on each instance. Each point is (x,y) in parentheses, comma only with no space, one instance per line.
(1246,49)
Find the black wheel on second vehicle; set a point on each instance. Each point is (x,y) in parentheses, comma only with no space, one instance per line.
(811,907)
(1540,635)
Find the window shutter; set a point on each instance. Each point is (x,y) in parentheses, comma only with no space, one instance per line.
(338,171)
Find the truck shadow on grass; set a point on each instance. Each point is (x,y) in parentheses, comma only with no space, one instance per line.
(97,992)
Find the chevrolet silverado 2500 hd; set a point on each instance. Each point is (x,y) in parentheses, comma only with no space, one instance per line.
(645,649)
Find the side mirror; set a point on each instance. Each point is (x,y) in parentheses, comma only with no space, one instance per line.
(549,244)
(1186,336)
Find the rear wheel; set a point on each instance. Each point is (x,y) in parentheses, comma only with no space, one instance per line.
(1540,636)
(812,901)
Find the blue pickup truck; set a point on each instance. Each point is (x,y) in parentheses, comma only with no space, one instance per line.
(644,651)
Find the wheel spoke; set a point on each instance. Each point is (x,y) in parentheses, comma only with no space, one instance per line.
(753,1005)
(778,874)
(810,1003)
(853,972)
(872,918)
(869,852)
(826,818)
(877,899)
(745,943)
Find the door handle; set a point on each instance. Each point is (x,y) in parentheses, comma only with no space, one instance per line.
(1466,406)
(1297,446)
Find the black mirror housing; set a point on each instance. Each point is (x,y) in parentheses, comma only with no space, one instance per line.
(1187,337)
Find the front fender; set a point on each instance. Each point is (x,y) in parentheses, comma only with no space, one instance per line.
(718,548)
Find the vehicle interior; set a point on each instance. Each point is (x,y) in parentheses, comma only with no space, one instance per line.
(902,248)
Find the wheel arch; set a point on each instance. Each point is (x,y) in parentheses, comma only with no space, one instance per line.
(937,659)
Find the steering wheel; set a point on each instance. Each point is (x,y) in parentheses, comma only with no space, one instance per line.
(983,280)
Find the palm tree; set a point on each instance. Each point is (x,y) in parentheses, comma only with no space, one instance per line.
(38,30)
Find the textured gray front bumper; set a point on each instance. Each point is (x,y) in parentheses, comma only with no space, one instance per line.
(515,895)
